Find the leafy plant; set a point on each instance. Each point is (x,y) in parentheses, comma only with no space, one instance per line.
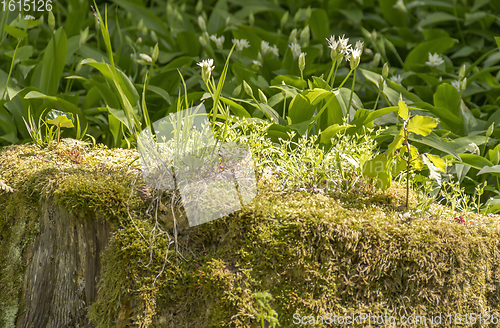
(401,156)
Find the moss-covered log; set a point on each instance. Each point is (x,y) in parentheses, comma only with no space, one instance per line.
(313,253)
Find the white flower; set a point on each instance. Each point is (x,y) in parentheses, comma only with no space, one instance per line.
(400,5)
(354,58)
(219,41)
(207,66)
(274,50)
(456,84)
(256,64)
(264,46)
(359,45)
(344,47)
(397,79)
(293,36)
(473,149)
(296,50)
(241,44)
(434,60)
(29,17)
(146,58)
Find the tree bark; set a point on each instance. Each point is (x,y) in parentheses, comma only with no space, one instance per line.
(63,267)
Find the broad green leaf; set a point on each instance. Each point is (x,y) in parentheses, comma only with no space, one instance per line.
(15,32)
(120,115)
(422,125)
(392,15)
(436,142)
(58,103)
(375,166)
(403,110)
(326,136)
(436,18)
(447,96)
(319,24)
(300,109)
(420,54)
(395,144)
(61,121)
(495,170)
(237,109)
(475,161)
(437,161)
(151,21)
(53,63)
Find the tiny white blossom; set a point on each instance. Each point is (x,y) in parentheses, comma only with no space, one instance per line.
(219,41)
(473,148)
(400,5)
(257,63)
(296,50)
(29,17)
(397,79)
(359,45)
(207,66)
(354,58)
(344,47)
(456,84)
(241,44)
(434,60)
(275,51)
(264,46)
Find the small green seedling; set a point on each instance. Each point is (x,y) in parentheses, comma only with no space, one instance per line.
(59,120)
(401,156)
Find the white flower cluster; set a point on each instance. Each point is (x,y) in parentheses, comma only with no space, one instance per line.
(434,60)
(241,44)
(219,41)
(340,49)
(207,66)
(266,49)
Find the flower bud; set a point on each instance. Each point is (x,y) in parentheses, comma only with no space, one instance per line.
(153,36)
(463,84)
(293,36)
(385,71)
(296,17)
(237,91)
(381,84)
(305,36)
(251,19)
(308,13)
(199,6)
(83,36)
(129,16)
(284,19)
(202,24)
(139,40)
(40,20)
(262,96)
(489,132)
(52,21)
(376,60)
(128,40)
(146,58)
(144,31)
(461,73)
(202,41)
(156,52)
(302,61)
(140,25)
(247,88)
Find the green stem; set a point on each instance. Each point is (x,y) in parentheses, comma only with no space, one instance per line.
(331,71)
(352,91)
(376,101)
(345,80)
(11,68)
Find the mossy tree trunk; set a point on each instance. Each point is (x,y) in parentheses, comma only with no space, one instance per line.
(63,266)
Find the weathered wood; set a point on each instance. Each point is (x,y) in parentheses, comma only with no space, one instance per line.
(63,267)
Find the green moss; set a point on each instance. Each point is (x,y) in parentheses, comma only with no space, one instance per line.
(314,253)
